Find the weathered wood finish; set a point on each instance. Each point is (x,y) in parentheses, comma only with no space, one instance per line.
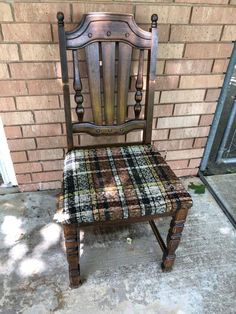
(108,66)
(65,80)
(101,34)
(93,65)
(173,238)
(72,243)
(77,84)
(125,52)
(139,85)
(151,78)
(96,130)
(108,27)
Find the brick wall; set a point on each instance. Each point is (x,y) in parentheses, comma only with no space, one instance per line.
(195,44)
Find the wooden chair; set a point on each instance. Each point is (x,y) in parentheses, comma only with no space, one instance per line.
(119,183)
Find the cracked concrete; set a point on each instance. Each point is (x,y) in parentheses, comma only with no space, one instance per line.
(122,276)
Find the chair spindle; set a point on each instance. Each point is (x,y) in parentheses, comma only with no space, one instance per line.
(77,84)
(139,86)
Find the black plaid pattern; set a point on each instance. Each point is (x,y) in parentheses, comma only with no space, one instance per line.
(115,183)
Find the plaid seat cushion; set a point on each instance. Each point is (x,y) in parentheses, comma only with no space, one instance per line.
(118,183)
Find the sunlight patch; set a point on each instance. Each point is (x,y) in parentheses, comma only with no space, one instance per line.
(31,266)
(11,228)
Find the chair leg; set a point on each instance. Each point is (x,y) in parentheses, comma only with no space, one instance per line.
(173,238)
(72,242)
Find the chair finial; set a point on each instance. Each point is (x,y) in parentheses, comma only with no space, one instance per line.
(60,18)
(154,19)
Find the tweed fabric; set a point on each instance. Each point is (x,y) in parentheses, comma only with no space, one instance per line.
(118,183)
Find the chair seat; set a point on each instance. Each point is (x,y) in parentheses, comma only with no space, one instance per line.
(114,183)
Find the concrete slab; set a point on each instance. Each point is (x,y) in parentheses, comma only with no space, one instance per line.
(121,277)
(224,185)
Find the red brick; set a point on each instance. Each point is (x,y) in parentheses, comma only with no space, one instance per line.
(212,94)
(229,33)
(5,12)
(51,142)
(13,132)
(49,185)
(208,51)
(162,110)
(29,187)
(182,96)
(201,81)
(47,176)
(159,135)
(37,102)
(53,165)
(178,164)
(47,116)
(177,122)
(17,118)
(186,172)
(194,108)
(189,132)
(28,167)
(200,142)
(32,70)
(185,154)
(39,52)
(213,15)
(166,82)
(175,144)
(26,32)
(195,33)
(204,1)
(23,178)
(47,154)
(41,130)
(40,12)
(9,52)
(194,163)
(80,8)
(18,157)
(43,87)
(170,51)
(167,14)
(21,144)
(206,119)
(12,88)
(3,71)
(7,104)
(188,66)
(220,66)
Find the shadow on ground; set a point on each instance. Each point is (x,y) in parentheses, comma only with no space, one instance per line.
(121,276)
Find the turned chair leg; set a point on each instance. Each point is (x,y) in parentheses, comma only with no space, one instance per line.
(72,242)
(173,238)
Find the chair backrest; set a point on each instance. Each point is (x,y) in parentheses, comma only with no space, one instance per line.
(109,41)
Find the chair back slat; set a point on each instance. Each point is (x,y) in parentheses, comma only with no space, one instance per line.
(109,41)
(77,84)
(93,65)
(108,72)
(139,85)
(124,63)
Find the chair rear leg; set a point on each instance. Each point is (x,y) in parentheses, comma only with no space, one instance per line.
(173,238)
(72,243)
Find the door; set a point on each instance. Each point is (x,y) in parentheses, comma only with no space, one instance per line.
(221,146)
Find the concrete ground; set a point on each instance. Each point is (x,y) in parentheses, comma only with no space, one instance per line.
(121,275)
(224,186)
